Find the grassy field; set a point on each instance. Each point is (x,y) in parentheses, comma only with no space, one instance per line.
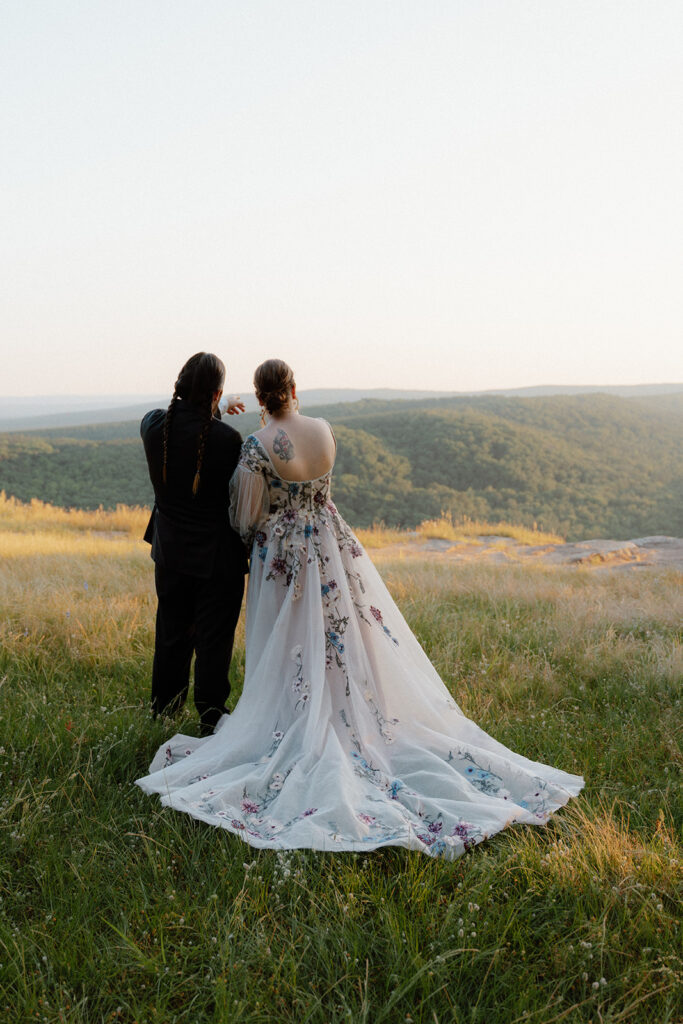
(114,909)
(446,528)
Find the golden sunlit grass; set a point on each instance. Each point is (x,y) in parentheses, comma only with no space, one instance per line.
(113,908)
(380,536)
(445,528)
(35,515)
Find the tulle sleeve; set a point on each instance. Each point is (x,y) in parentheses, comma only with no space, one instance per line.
(249,500)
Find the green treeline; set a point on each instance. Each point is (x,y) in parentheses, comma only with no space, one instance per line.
(584,466)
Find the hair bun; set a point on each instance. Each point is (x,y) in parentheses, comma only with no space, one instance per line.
(273,382)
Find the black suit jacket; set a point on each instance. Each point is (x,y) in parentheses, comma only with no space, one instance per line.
(192,534)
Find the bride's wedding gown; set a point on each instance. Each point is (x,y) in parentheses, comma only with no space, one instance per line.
(345,737)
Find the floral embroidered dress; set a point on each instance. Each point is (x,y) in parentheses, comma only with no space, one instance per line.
(345,737)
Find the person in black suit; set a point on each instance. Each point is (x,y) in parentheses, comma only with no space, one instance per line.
(200,561)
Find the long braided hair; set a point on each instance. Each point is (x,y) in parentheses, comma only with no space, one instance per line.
(202,375)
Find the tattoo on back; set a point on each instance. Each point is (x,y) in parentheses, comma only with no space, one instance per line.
(282,446)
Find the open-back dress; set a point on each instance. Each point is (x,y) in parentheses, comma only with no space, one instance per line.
(345,737)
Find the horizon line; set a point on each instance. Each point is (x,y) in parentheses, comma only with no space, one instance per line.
(370,387)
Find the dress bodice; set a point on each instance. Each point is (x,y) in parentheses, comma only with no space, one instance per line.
(293,496)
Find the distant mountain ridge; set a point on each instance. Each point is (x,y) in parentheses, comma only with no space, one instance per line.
(46,411)
(590,465)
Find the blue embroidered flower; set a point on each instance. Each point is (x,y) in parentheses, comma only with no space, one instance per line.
(335,640)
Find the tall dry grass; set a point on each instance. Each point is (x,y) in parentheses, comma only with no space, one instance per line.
(39,516)
(458,531)
(447,528)
(114,909)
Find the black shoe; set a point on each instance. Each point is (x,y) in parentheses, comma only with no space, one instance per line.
(210,720)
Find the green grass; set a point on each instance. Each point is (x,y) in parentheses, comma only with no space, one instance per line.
(115,909)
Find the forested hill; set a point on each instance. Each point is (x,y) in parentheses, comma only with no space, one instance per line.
(584,466)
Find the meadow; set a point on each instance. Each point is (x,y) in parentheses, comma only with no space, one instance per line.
(115,909)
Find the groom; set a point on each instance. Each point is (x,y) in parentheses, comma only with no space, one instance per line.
(200,561)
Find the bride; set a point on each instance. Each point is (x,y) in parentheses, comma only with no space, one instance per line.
(345,737)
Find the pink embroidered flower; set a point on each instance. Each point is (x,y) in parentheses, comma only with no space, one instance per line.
(376,613)
(461,830)
(249,807)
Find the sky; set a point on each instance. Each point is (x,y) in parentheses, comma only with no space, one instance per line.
(450,195)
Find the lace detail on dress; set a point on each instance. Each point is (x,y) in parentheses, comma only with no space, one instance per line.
(252,456)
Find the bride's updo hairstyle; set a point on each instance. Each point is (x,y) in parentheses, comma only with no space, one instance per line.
(202,375)
(273,383)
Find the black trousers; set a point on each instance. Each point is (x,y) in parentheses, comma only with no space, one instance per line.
(194,616)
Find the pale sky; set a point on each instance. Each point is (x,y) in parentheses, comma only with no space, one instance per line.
(449,195)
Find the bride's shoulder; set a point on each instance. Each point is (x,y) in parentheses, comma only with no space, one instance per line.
(316,424)
(327,427)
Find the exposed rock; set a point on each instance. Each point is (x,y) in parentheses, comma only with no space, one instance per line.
(643,552)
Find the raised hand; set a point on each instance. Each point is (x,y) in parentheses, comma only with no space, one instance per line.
(232,405)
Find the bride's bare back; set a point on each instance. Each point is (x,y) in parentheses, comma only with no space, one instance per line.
(300,447)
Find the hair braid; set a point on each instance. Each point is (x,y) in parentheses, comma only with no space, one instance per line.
(167,423)
(208,413)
